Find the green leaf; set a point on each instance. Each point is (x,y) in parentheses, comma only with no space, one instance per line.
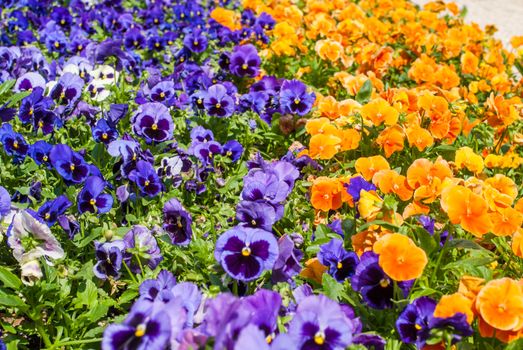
(463,244)
(331,287)
(515,345)
(6,86)
(9,279)
(88,297)
(426,241)
(383,223)
(17,97)
(13,301)
(365,92)
(422,293)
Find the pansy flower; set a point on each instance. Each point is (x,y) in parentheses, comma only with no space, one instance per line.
(153,122)
(109,256)
(256,215)
(134,39)
(177,222)
(341,263)
(146,179)
(245,252)
(104,132)
(288,263)
(244,61)
(14,143)
(39,152)
(232,149)
(68,89)
(5,202)
(51,210)
(69,164)
(319,324)
(217,102)
(375,287)
(195,41)
(91,199)
(29,81)
(294,98)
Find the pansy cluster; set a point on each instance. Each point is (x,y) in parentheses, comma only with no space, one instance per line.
(258,175)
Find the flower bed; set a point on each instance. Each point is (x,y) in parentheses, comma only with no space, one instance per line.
(258,175)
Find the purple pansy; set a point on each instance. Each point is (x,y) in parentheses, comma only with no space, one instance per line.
(256,215)
(244,61)
(195,41)
(51,210)
(177,222)
(91,199)
(5,202)
(153,122)
(68,89)
(288,263)
(29,81)
(341,263)
(217,102)
(375,287)
(104,132)
(356,185)
(146,178)
(245,252)
(109,256)
(14,143)
(294,98)
(232,149)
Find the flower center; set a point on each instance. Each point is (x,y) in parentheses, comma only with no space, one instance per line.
(15,144)
(45,158)
(162,94)
(135,43)
(319,338)
(154,127)
(253,222)
(104,136)
(218,105)
(47,216)
(246,251)
(339,265)
(297,101)
(92,201)
(40,124)
(157,44)
(400,259)
(71,167)
(140,330)
(195,43)
(199,101)
(384,283)
(417,326)
(31,111)
(245,66)
(147,183)
(56,44)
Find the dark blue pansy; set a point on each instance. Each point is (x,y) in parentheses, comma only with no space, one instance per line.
(39,152)
(195,41)
(103,132)
(134,39)
(109,256)
(265,21)
(69,164)
(177,222)
(91,199)
(25,37)
(69,224)
(155,42)
(233,149)
(14,143)
(245,252)
(61,16)
(146,178)
(205,151)
(244,61)
(217,102)
(341,263)
(51,210)
(55,40)
(34,104)
(153,122)
(294,98)
(375,287)
(356,185)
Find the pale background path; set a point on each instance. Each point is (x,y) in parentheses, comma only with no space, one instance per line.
(507,15)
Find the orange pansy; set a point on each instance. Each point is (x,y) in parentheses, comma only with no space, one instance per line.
(326,193)
(368,166)
(314,270)
(323,146)
(399,257)
(506,221)
(378,111)
(391,140)
(466,158)
(467,209)
(449,305)
(500,304)
(419,137)
(390,181)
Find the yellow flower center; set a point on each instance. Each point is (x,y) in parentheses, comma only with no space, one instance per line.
(384,283)
(140,330)
(319,338)
(92,201)
(40,124)
(31,111)
(245,66)
(417,326)
(162,94)
(246,251)
(297,101)
(195,43)
(156,20)
(56,44)
(80,47)
(157,44)
(199,101)
(218,105)
(47,216)
(62,22)
(269,338)
(62,95)
(71,167)
(104,136)
(154,127)
(45,158)
(253,222)
(147,183)
(339,265)
(15,144)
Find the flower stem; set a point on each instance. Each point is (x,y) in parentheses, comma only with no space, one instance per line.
(76,342)
(43,334)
